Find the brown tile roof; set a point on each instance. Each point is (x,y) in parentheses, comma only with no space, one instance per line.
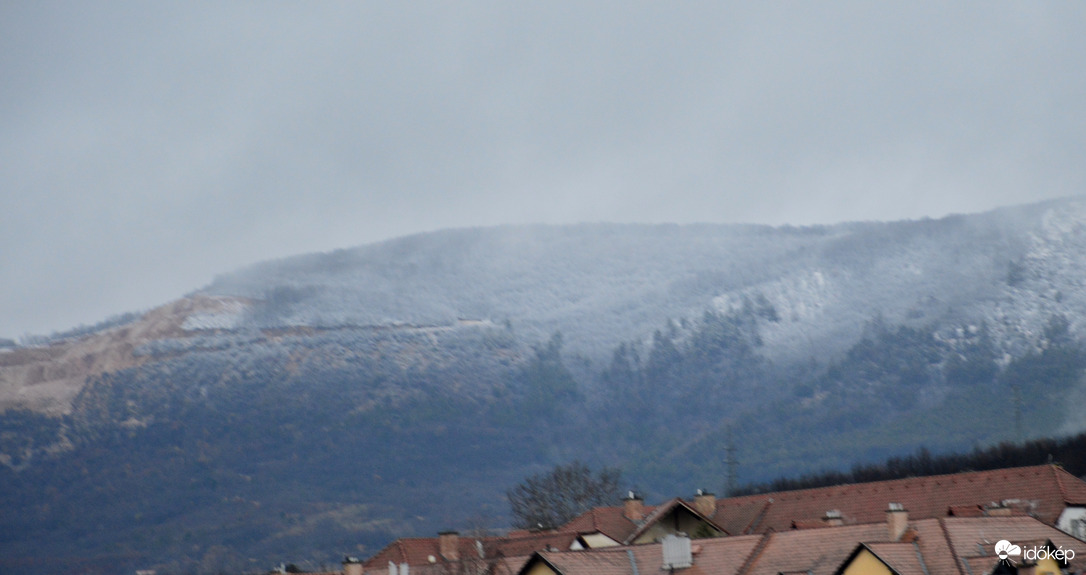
(725,555)
(417,552)
(742,514)
(599,562)
(651,518)
(610,521)
(675,505)
(810,524)
(526,545)
(973,538)
(720,556)
(935,505)
(942,546)
(965,511)
(819,551)
(1044,489)
(980,565)
(1073,488)
(930,538)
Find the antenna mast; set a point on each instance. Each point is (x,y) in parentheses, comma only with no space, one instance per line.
(732,465)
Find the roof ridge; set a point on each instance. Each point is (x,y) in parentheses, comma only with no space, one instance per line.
(920,557)
(916,478)
(633,560)
(755,554)
(757,519)
(554,533)
(865,545)
(650,519)
(1059,481)
(950,545)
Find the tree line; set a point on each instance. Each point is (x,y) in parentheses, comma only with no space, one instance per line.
(1068,452)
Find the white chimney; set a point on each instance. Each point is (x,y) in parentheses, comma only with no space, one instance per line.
(677,553)
(352,566)
(897,521)
(634,507)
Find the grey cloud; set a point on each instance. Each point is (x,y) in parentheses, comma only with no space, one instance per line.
(148,147)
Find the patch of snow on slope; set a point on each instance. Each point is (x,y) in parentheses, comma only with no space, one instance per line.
(1054,281)
(802,302)
(228,314)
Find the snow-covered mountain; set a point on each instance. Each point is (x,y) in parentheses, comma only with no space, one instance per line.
(325,403)
(600,284)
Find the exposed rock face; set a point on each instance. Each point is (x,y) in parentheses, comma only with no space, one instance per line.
(46,379)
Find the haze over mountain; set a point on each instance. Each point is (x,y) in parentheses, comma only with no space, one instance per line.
(149,146)
(320,405)
(603,283)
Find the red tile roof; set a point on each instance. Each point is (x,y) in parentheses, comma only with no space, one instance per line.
(610,521)
(973,538)
(720,556)
(965,511)
(426,551)
(935,505)
(943,546)
(819,551)
(741,514)
(599,562)
(675,505)
(1044,490)
(931,540)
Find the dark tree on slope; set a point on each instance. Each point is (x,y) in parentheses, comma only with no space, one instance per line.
(548,383)
(975,363)
(551,499)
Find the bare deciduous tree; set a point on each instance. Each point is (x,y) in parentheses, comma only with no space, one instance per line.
(548,500)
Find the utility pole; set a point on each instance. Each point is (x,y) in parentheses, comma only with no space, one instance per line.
(732,466)
(1018,437)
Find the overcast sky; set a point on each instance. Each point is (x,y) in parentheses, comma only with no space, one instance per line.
(147,146)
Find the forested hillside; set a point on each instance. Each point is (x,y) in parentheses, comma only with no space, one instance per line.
(305,409)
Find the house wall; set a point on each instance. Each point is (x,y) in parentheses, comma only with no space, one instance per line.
(597,540)
(540,568)
(865,563)
(1073,521)
(1047,567)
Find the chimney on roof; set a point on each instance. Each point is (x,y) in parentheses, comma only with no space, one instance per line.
(1000,509)
(352,566)
(448,544)
(833,518)
(705,503)
(633,507)
(897,521)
